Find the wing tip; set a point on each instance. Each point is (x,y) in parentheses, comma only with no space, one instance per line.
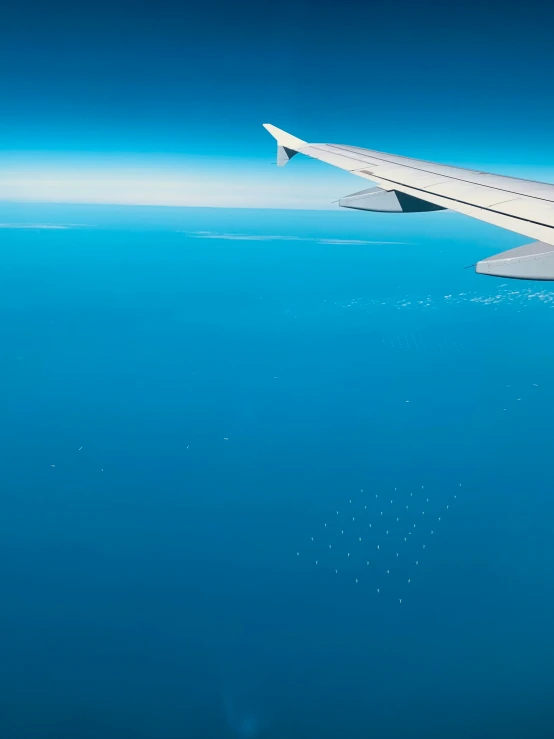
(283,138)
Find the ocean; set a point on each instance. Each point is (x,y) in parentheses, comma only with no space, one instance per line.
(272,475)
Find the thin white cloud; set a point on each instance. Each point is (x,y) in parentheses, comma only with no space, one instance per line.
(47,226)
(274,237)
(361,242)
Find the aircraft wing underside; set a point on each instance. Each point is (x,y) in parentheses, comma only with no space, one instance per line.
(413,185)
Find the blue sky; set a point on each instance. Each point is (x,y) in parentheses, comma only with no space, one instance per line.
(127,103)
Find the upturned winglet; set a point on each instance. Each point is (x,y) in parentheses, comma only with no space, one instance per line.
(287,145)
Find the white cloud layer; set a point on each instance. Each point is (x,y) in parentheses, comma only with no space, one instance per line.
(259,186)
(183,181)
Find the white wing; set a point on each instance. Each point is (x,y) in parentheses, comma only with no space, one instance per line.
(411,185)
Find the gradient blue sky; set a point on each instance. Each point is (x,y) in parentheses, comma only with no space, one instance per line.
(163,103)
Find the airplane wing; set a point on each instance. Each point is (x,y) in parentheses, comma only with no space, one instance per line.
(413,185)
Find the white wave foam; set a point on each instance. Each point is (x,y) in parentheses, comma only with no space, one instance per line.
(503,295)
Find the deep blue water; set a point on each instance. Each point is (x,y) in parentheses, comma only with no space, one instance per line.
(231,394)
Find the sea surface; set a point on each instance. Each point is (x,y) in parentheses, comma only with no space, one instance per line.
(272,475)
